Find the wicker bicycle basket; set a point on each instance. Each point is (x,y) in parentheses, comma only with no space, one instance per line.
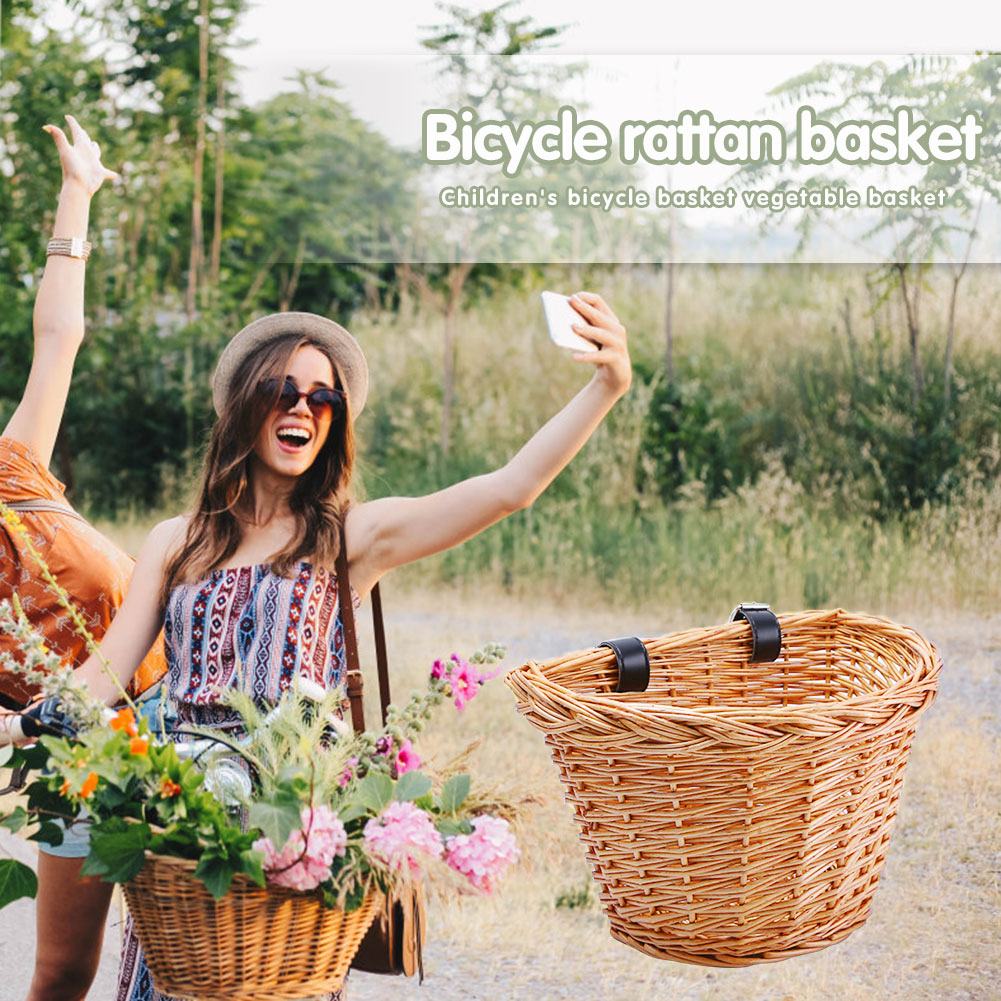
(255,944)
(737,812)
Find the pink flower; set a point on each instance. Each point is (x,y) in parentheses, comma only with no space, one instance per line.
(483,855)
(464,685)
(349,772)
(322,836)
(406,758)
(463,678)
(466,681)
(402,836)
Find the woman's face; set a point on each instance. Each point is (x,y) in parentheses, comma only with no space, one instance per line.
(290,440)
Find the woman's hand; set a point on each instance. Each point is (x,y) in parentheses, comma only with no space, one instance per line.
(600,324)
(81,160)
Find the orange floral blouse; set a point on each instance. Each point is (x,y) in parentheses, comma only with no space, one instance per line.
(93,570)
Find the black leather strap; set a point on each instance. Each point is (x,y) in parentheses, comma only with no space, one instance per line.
(766,633)
(18,779)
(633,662)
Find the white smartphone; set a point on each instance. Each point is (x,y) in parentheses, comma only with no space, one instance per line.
(561,317)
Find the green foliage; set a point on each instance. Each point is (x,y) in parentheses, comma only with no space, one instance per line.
(453,793)
(118,850)
(16,880)
(375,791)
(279,816)
(579,898)
(696,433)
(412,786)
(140,797)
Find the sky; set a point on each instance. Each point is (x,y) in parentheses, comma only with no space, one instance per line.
(332,34)
(641,26)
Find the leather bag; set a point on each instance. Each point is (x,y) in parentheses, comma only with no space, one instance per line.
(394,943)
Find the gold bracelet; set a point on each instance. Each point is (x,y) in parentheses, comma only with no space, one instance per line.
(75,247)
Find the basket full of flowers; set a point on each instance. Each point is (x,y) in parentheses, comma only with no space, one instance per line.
(267,850)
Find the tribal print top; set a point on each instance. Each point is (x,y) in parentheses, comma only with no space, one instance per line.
(247,627)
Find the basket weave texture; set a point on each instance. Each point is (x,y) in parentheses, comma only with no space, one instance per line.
(737,812)
(255,944)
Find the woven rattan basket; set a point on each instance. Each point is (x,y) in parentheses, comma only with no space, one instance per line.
(254,944)
(736,812)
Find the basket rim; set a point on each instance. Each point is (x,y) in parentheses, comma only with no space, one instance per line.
(637,705)
(189,866)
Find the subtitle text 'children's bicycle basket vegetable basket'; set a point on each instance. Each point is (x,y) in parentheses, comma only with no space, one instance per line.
(253,944)
(735,811)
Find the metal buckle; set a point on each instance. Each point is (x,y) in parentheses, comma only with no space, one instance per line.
(749,606)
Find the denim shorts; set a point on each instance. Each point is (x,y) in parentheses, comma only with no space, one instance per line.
(76,841)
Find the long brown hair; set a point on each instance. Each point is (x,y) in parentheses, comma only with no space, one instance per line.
(318,501)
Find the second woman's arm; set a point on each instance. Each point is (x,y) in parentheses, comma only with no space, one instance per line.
(58,316)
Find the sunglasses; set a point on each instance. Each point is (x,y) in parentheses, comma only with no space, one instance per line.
(320,401)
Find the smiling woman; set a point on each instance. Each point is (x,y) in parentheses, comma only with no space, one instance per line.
(245,583)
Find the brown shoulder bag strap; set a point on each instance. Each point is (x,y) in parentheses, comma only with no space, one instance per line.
(380,651)
(356,683)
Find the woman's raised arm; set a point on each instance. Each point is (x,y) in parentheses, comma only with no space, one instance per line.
(389,532)
(58,317)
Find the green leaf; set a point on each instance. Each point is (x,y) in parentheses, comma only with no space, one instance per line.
(121,854)
(454,793)
(15,820)
(93,866)
(216,873)
(34,756)
(412,785)
(277,819)
(376,791)
(352,811)
(354,898)
(60,749)
(49,832)
(253,865)
(448,827)
(16,880)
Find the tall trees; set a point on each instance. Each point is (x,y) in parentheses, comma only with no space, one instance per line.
(478,57)
(935,88)
(192,240)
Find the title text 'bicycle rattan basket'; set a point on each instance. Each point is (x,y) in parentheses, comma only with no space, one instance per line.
(737,812)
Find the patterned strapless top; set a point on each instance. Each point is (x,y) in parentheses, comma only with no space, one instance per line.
(247,627)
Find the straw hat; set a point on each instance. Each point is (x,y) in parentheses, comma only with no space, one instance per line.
(350,359)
